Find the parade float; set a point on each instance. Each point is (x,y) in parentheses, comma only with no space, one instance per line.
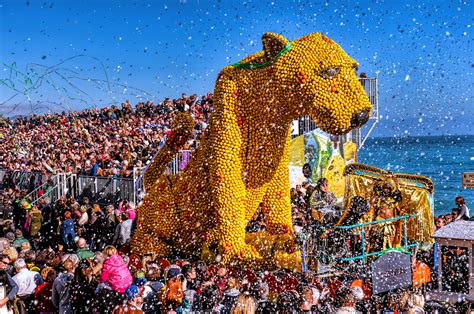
(381,212)
(246,161)
(242,160)
(376,234)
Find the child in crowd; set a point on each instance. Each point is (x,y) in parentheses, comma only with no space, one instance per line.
(115,274)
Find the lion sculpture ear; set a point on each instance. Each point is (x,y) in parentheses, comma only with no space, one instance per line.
(273,44)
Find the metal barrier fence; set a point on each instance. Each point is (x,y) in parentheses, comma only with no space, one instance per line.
(176,165)
(57,186)
(102,190)
(138,187)
(46,190)
(23,180)
(105,190)
(179,162)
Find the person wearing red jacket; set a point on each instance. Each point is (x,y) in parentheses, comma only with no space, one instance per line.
(43,292)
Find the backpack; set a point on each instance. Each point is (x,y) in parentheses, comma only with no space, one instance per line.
(35,223)
(152,302)
(173,291)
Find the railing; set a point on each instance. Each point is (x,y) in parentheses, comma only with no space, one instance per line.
(3,173)
(370,85)
(42,189)
(105,190)
(21,179)
(179,162)
(138,187)
(176,165)
(371,89)
(364,254)
(51,194)
(59,185)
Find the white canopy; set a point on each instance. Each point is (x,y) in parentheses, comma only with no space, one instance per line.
(460,230)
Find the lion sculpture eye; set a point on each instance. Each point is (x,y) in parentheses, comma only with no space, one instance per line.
(329,73)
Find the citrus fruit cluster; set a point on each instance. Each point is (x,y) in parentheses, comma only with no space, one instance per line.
(242,161)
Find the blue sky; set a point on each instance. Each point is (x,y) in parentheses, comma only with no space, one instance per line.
(61,55)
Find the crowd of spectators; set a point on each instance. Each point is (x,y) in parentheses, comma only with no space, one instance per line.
(73,257)
(104,142)
(460,212)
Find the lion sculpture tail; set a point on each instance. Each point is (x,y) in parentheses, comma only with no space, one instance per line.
(182,128)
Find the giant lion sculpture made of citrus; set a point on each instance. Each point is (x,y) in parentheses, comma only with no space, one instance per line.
(242,160)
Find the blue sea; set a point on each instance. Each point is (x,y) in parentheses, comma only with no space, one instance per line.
(441,158)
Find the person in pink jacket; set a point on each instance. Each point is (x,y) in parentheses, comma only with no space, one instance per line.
(131,214)
(128,208)
(115,272)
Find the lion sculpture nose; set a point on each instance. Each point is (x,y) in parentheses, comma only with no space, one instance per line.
(360,118)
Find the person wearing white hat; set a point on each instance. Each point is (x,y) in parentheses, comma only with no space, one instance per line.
(309,297)
(358,293)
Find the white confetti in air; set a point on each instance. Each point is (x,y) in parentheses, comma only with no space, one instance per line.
(407,78)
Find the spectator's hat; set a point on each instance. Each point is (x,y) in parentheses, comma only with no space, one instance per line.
(72,257)
(272,281)
(141,280)
(132,292)
(181,263)
(135,261)
(250,275)
(10,236)
(65,257)
(173,272)
(164,263)
(38,279)
(358,289)
(290,282)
